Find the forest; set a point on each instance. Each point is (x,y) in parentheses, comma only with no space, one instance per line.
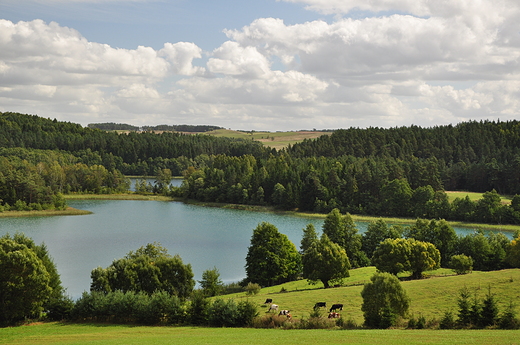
(402,172)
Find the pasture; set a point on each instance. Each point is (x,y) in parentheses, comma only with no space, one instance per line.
(83,334)
(277,140)
(474,196)
(430,297)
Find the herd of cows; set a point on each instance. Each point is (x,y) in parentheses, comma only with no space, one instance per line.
(333,314)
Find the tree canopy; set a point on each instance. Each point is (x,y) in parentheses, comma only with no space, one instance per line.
(149,269)
(383,300)
(25,283)
(325,261)
(271,258)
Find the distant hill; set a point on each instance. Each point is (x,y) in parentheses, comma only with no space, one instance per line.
(111,126)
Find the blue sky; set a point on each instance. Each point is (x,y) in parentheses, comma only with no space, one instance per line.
(261,65)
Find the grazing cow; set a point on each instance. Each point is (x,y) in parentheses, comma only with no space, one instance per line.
(269,300)
(320,305)
(273,307)
(333,315)
(285,312)
(336,307)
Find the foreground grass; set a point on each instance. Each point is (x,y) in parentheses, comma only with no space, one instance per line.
(78,334)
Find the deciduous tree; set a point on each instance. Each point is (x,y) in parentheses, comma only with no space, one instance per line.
(384,300)
(271,258)
(148,269)
(24,282)
(325,261)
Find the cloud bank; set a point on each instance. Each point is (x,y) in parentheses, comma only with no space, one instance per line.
(402,62)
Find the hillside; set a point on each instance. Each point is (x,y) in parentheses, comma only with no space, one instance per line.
(430,297)
(276,140)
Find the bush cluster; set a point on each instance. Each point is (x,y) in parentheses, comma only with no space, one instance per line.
(161,308)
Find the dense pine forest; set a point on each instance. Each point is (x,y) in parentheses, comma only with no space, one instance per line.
(401,171)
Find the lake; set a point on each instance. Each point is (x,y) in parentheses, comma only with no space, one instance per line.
(205,237)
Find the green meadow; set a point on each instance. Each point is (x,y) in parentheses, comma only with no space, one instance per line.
(474,196)
(277,140)
(83,334)
(430,297)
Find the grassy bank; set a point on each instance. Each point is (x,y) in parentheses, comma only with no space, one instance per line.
(124,196)
(79,334)
(45,213)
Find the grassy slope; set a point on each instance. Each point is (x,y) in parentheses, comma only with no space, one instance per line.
(474,196)
(430,297)
(73,334)
(277,140)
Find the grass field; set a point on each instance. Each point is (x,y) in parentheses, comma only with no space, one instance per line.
(277,140)
(430,297)
(83,334)
(473,196)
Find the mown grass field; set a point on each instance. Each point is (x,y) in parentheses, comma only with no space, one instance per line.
(83,334)
(277,140)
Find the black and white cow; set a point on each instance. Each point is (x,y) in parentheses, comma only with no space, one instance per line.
(285,312)
(336,307)
(334,315)
(273,307)
(320,305)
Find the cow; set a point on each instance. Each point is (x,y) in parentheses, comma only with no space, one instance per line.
(336,307)
(285,312)
(269,300)
(320,305)
(273,307)
(334,315)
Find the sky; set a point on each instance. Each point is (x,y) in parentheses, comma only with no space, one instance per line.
(274,65)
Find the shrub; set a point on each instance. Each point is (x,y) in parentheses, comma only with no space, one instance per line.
(269,321)
(447,321)
(317,323)
(252,289)
(508,319)
(223,313)
(384,300)
(346,323)
(198,309)
(461,264)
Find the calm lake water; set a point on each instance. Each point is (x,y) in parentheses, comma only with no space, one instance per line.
(204,237)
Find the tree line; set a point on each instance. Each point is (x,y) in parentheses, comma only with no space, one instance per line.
(372,186)
(36,179)
(400,172)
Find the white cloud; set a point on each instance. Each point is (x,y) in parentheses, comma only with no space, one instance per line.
(181,54)
(429,63)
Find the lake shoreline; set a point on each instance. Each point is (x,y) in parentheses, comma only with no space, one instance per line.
(70,211)
(255,208)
